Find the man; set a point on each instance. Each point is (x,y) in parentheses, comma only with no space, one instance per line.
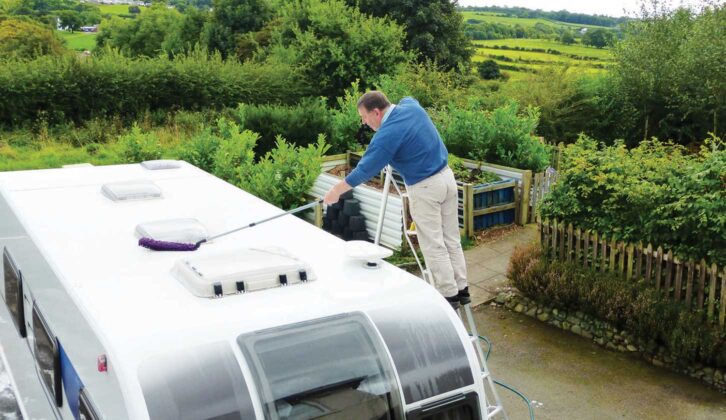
(407,139)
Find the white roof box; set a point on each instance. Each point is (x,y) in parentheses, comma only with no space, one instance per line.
(173,230)
(131,190)
(243,271)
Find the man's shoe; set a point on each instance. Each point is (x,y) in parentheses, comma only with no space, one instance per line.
(453,301)
(464,296)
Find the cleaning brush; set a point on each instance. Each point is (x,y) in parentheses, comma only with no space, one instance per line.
(157,245)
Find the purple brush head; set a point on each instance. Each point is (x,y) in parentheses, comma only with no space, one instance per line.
(155,245)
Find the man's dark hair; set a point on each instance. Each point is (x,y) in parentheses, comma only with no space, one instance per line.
(373,100)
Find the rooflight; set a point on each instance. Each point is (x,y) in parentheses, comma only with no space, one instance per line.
(131,190)
(243,271)
(155,165)
(173,230)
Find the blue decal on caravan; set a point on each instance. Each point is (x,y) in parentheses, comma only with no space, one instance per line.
(71,382)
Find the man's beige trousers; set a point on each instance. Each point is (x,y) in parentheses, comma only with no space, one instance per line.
(434,204)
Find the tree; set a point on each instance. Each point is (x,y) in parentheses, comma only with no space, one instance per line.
(567,38)
(70,19)
(232,18)
(143,36)
(669,71)
(488,70)
(598,38)
(434,28)
(134,10)
(335,45)
(22,38)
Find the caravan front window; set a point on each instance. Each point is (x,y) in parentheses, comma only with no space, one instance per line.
(14,292)
(198,383)
(330,368)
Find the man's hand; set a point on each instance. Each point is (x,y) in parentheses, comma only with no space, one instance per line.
(334,194)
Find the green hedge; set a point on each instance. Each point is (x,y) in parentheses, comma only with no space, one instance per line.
(77,89)
(655,193)
(627,304)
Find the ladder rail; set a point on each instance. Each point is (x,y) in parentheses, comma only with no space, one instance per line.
(493,408)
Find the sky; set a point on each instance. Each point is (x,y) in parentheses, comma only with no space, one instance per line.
(592,7)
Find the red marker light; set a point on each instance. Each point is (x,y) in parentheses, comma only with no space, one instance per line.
(101,363)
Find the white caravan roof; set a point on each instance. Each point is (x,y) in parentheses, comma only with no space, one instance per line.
(129,294)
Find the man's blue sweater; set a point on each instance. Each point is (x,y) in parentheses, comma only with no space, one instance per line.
(408,141)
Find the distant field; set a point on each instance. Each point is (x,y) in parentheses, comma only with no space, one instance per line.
(525,22)
(574,49)
(79,41)
(521,64)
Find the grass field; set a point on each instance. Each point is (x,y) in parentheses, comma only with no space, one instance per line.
(79,41)
(524,22)
(531,61)
(544,44)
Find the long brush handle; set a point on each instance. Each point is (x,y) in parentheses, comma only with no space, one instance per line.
(259,222)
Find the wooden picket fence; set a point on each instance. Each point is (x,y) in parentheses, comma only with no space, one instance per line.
(695,283)
(542,185)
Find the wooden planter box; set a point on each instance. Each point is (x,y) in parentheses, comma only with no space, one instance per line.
(480,206)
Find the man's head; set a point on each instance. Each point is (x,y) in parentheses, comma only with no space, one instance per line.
(371,108)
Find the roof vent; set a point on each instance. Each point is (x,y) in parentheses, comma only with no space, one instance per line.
(155,165)
(173,230)
(131,190)
(243,271)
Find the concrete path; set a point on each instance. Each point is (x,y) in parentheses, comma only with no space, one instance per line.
(573,378)
(487,263)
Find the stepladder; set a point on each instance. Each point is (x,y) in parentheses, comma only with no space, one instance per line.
(493,403)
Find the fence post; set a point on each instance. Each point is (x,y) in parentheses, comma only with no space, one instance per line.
(631,253)
(669,272)
(722,316)
(613,254)
(595,245)
(649,266)
(603,254)
(659,268)
(524,205)
(554,239)
(689,283)
(701,282)
(621,258)
(639,261)
(586,248)
(712,290)
(679,279)
(470,209)
(561,233)
(570,237)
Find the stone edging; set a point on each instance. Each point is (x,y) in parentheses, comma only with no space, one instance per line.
(609,337)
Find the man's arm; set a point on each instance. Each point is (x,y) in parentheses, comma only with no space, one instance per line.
(334,194)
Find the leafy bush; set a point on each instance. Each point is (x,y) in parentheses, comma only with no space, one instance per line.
(345,124)
(235,153)
(66,88)
(624,303)
(473,176)
(430,86)
(138,146)
(295,123)
(653,193)
(503,136)
(201,150)
(284,175)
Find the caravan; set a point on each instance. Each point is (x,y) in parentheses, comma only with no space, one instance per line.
(273,322)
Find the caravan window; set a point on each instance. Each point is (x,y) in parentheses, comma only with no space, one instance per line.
(457,407)
(330,368)
(85,408)
(14,292)
(198,383)
(47,356)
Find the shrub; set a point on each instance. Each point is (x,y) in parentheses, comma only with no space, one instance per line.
(284,175)
(488,70)
(345,124)
(503,136)
(201,150)
(624,303)
(235,153)
(431,87)
(138,146)
(66,88)
(298,124)
(653,193)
